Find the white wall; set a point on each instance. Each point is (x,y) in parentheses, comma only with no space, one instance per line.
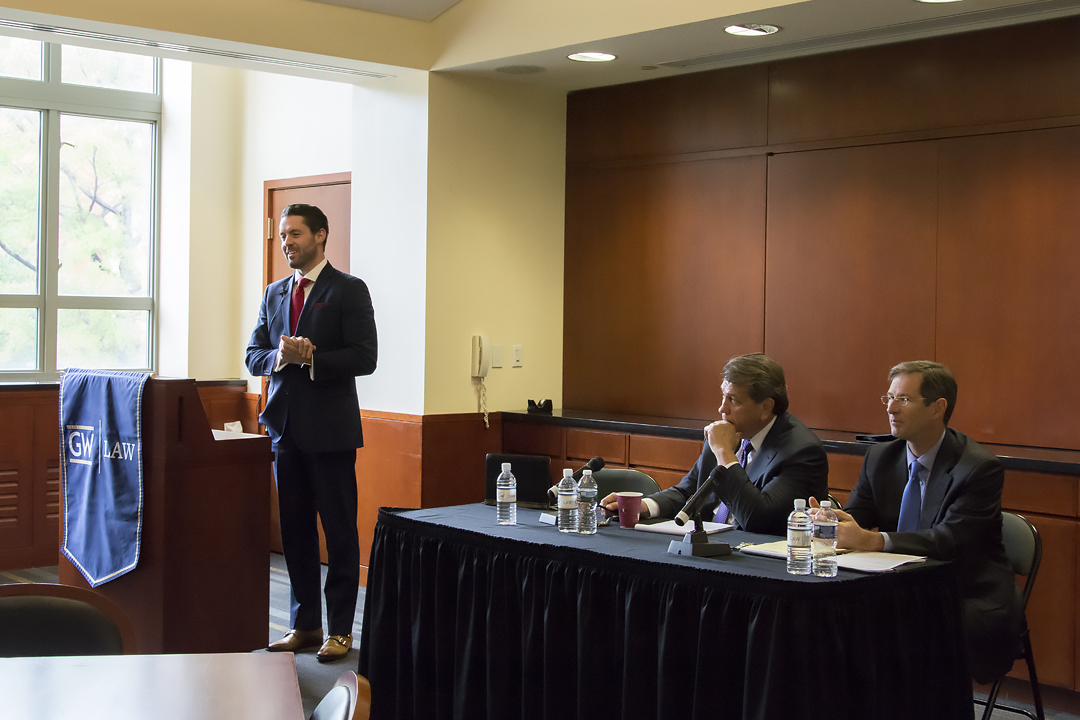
(174,220)
(289,127)
(457,223)
(389,233)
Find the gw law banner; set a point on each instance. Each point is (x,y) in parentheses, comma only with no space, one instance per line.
(101,471)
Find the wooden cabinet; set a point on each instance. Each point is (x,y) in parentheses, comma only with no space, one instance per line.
(29,477)
(665,459)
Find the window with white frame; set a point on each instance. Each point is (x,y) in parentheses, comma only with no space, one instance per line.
(78,205)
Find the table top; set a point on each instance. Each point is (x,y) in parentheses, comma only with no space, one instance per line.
(634,551)
(233,686)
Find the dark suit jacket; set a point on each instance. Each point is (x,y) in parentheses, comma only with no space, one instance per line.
(339,321)
(960,521)
(961,512)
(791,464)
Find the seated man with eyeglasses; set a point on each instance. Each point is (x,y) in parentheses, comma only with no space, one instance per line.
(936,492)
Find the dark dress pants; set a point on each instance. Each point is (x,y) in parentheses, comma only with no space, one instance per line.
(322,484)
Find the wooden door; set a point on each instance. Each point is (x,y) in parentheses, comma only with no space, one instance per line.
(333,195)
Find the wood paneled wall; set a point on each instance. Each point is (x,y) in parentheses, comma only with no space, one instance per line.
(841,212)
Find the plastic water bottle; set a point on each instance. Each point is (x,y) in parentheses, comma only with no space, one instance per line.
(825,525)
(568,503)
(506,496)
(799,535)
(586,491)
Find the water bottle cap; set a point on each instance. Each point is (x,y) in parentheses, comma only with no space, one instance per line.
(506,467)
(800,504)
(587,472)
(567,472)
(826,504)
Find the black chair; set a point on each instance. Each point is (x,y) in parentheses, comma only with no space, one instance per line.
(609,480)
(533,474)
(1023,546)
(38,620)
(349,699)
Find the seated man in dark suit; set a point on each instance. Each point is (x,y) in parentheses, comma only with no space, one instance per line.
(936,492)
(771,457)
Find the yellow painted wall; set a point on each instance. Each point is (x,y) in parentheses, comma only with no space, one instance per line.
(290,24)
(214,252)
(495,239)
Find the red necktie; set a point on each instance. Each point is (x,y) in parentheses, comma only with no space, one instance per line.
(297,304)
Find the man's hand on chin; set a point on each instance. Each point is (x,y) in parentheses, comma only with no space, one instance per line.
(723,439)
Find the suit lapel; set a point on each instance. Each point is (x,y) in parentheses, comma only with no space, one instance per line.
(317,295)
(940,480)
(280,316)
(761,461)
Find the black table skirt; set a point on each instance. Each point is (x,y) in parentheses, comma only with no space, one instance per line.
(465,620)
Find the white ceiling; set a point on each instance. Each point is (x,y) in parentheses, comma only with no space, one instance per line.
(412,9)
(808,27)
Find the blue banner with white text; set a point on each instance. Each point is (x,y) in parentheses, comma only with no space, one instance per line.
(101,471)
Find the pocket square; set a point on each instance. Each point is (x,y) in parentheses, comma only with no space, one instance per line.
(321,305)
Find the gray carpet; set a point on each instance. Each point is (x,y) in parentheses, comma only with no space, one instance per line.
(317,678)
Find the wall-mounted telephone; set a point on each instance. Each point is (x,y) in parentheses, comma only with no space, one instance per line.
(481,356)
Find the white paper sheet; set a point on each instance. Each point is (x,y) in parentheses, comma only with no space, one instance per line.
(668,527)
(858,560)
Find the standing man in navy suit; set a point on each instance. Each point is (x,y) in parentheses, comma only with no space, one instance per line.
(936,492)
(315,335)
(763,455)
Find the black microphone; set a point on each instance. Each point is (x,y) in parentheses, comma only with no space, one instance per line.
(597,463)
(693,505)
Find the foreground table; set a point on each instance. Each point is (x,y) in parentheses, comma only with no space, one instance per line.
(163,687)
(466,619)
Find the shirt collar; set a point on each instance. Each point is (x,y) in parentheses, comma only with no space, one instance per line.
(312,275)
(927,458)
(760,437)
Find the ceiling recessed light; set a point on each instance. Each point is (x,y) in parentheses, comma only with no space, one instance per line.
(934,2)
(751,30)
(592,57)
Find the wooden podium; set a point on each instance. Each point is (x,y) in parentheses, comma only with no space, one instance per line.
(202,582)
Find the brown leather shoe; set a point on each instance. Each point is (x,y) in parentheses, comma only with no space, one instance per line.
(335,648)
(296,640)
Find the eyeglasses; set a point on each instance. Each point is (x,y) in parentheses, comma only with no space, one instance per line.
(901,400)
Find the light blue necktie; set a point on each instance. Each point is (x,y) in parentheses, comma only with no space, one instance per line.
(743,456)
(911,504)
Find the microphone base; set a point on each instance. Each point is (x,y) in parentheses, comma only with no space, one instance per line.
(698,549)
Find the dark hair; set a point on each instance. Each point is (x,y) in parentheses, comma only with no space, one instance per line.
(937,382)
(313,217)
(762,376)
